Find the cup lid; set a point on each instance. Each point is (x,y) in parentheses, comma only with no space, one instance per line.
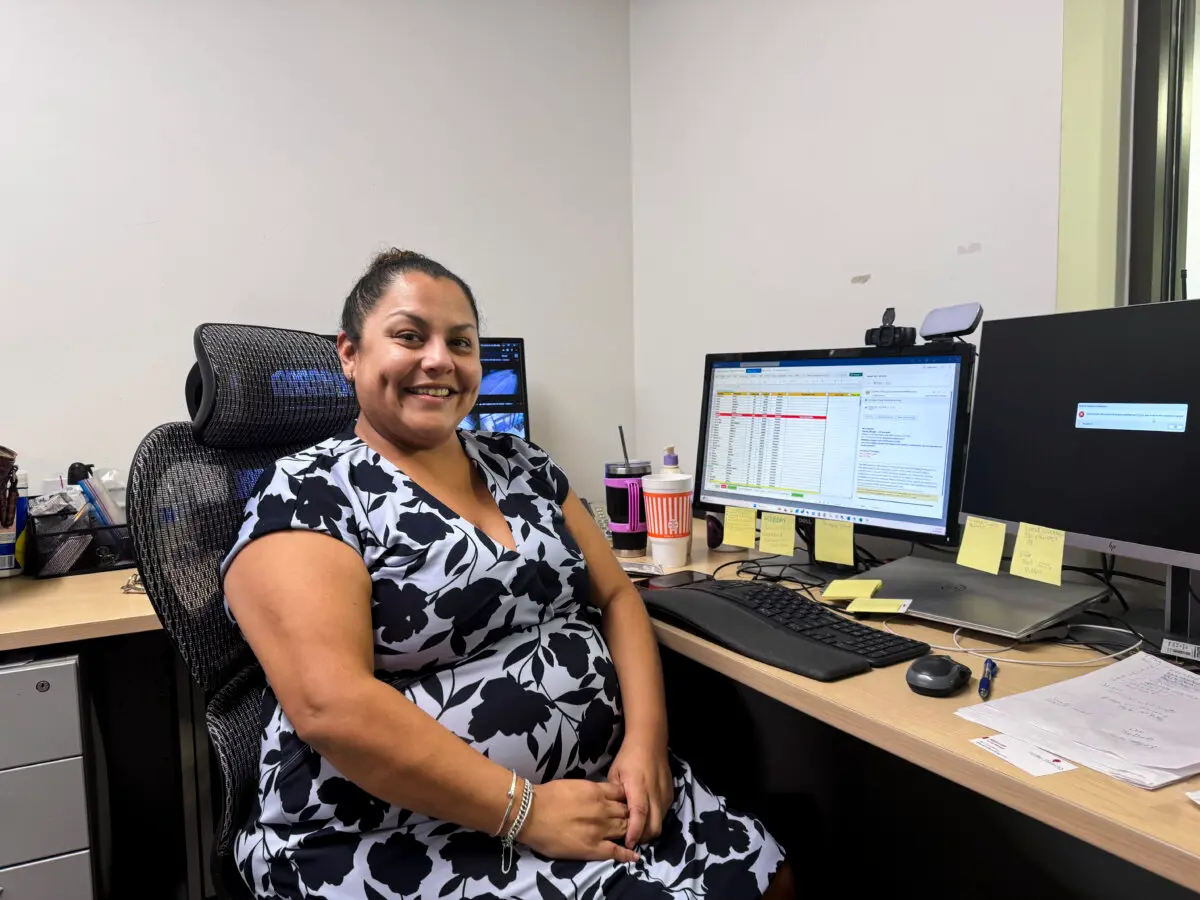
(668,483)
(633,467)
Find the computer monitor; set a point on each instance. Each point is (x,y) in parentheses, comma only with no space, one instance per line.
(1089,422)
(869,436)
(503,403)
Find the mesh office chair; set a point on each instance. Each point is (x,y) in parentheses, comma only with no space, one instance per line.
(256,394)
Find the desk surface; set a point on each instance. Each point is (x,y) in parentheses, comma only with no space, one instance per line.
(1158,830)
(75,608)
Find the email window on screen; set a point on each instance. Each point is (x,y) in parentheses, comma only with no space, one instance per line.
(872,437)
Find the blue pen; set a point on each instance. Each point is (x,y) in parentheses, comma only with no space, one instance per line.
(985,680)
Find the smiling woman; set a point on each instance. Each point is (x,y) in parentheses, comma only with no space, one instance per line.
(410,346)
(465,694)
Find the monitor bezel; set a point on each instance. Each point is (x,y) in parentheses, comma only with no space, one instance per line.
(963,352)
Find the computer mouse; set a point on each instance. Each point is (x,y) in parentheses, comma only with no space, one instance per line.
(937,676)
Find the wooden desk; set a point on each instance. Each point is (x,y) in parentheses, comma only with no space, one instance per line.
(34,613)
(1158,830)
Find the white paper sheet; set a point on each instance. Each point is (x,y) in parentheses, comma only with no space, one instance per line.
(1026,757)
(1106,763)
(1137,720)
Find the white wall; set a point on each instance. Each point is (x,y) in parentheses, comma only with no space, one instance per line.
(165,164)
(781,148)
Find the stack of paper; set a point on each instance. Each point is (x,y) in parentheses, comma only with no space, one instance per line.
(1137,720)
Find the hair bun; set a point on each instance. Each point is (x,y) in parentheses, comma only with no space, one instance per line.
(395,255)
(383,270)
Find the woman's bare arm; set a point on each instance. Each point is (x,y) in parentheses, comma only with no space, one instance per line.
(303,602)
(627,631)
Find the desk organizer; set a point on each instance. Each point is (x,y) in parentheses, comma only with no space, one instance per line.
(55,549)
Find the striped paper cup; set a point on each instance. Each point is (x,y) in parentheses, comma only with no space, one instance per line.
(668,505)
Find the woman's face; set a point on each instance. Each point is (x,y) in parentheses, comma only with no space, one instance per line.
(416,369)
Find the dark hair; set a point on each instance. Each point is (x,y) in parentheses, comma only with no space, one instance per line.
(384,269)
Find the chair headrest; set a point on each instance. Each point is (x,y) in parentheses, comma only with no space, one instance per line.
(267,387)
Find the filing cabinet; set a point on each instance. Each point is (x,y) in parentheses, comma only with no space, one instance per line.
(44,834)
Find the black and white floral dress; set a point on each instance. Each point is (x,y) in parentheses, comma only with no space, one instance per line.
(502,648)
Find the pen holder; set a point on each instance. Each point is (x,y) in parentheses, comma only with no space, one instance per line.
(56,549)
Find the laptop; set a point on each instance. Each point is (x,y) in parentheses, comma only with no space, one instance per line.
(1003,604)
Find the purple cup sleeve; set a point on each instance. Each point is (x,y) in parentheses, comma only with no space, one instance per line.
(633,486)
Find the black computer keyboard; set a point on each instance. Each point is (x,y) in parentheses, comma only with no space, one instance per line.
(780,627)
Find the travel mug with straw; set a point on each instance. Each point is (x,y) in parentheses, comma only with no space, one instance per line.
(626,505)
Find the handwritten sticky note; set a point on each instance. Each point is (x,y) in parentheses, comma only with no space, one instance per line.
(778,534)
(1038,554)
(835,542)
(878,605)
(982,545)
(740,526)
(856,589)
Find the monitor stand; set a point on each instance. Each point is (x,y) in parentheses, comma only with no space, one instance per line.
(1002,604)
(1178,632)
(1181,619)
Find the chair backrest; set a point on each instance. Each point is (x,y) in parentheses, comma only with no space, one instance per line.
(264,393)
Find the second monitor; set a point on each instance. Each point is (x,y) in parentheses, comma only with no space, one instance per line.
(868,436)
(503,403)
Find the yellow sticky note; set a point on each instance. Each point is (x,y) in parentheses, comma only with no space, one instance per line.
(835,542)
(778,534)
(982,545)
(739,526)
(856,589)
(1038,553)
(878,605)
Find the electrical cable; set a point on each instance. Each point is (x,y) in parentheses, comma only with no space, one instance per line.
(1129,629)
(737,562)
(868,554)
(1051,663)
(1103,577)
(805,587)
(935,548)
(886,625)
(992,655)
(755,570)
(1145,579)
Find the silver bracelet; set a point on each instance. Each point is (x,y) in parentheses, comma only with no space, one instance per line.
(512,792)
(518,825)
(506,854)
